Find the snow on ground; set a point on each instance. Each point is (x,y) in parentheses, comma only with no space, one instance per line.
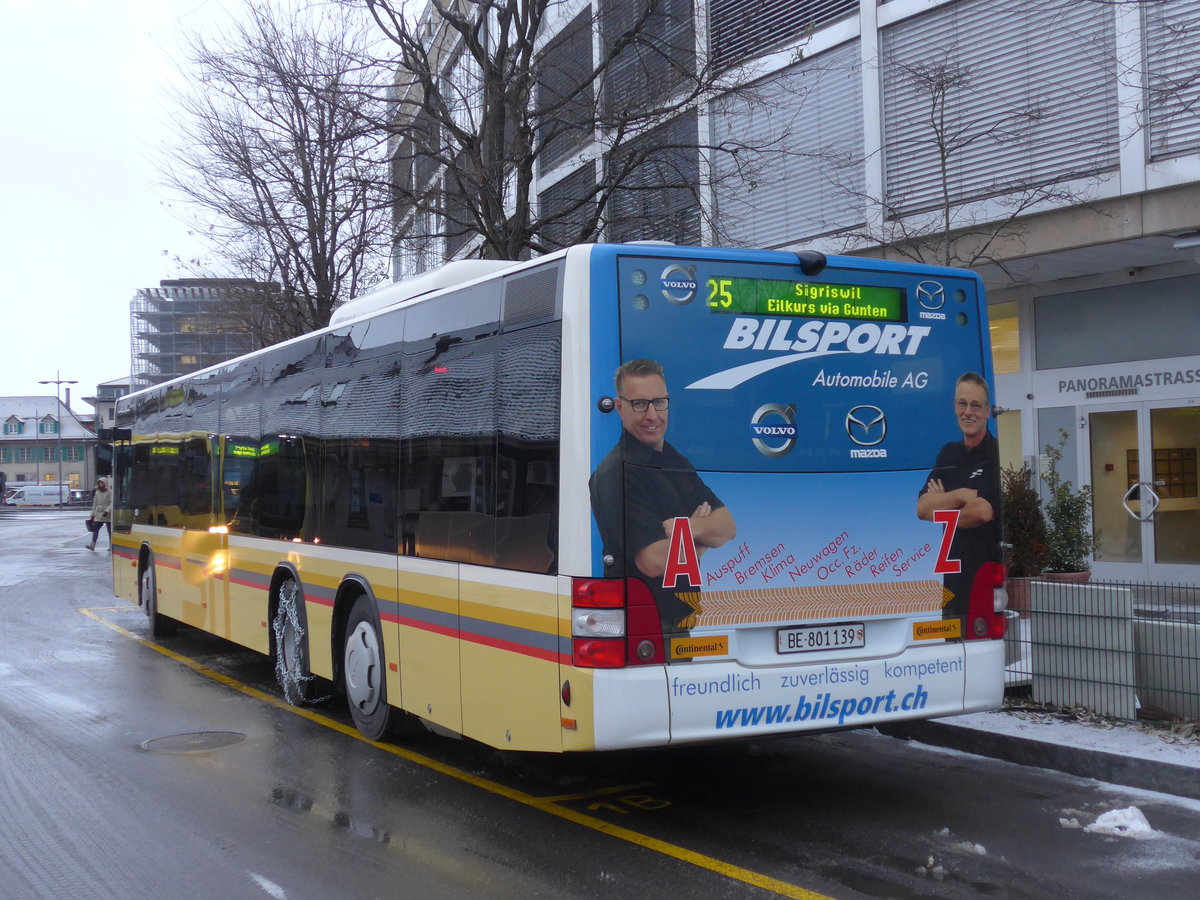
(1141,740)
(1127,822)
(1127,739)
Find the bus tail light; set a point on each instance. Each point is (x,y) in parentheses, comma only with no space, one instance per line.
(598,623)
(614,623)
(988,601)
(645,626)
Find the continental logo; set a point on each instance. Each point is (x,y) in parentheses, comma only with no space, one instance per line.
(713,645)
(941,629)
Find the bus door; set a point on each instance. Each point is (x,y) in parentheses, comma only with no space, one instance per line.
(202,544)
(235,499)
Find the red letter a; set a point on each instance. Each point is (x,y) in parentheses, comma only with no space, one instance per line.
(682,559)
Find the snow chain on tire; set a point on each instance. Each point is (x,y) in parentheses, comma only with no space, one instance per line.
(288,606)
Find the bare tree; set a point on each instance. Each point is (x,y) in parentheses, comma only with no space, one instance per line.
(946,227)
(279,171)
(492,93)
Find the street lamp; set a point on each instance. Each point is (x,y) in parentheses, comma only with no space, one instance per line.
(58,381)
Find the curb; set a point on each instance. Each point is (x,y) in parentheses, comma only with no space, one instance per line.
(1167,778)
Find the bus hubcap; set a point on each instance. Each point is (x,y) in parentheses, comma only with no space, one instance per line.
(362,668)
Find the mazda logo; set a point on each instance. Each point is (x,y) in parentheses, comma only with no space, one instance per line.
(866,425)
(931,295)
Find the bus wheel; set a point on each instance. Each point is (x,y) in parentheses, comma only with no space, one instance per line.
(160,625)
(363,669)
(291,646)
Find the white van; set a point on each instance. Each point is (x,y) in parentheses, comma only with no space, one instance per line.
(40,495)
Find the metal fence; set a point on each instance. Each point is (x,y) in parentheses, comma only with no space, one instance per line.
(1123,650)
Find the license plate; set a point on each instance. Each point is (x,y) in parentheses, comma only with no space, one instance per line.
(810,638)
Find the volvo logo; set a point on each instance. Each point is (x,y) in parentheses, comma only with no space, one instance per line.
(931,295)
(679,283)
(774,438)
(866,425)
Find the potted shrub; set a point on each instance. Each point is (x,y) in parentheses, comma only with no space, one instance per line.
(1024,533)
(1069,537)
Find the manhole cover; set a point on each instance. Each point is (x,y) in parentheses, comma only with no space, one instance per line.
(196,742)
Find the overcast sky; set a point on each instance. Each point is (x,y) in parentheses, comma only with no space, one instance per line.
(83,223)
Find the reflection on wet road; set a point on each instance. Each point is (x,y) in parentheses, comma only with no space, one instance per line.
(147,769)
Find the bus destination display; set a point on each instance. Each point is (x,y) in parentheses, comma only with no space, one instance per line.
(762,297)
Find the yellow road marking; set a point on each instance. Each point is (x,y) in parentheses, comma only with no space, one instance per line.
(599,792)
(544,804)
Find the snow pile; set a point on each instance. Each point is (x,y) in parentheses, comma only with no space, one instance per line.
(1123,823)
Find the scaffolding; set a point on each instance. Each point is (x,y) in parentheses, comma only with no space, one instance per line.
(184,325)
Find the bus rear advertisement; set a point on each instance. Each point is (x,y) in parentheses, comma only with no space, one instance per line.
(618,496)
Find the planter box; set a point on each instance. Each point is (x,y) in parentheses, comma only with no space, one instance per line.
(1168,666)
(1083,647)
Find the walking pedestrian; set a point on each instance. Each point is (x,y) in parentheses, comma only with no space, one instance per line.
(101,512)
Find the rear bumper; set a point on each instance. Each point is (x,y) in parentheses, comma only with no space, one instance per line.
(695,702)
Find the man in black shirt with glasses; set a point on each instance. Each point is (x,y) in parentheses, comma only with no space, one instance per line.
(966,478)
(660,485)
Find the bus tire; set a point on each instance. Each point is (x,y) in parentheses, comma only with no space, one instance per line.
(160,625)
(291,645)
(364,675)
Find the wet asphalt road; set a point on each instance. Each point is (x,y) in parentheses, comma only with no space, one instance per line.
(296,806)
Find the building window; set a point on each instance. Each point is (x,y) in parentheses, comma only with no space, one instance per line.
(460,183)
(566,103)
(1015,106)
(462,89)
(14,426)
(568,208)
(743,29)
(1004,325)
(658,197)
(48,426)
(1172,42)
(660,61)
(24,454)
(786,192)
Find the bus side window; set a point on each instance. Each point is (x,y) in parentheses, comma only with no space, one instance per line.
(361,453)
(140,496)
(197,483)
(240,400)
(448,391)
(527,477)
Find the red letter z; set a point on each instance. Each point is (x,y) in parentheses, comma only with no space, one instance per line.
(949,520)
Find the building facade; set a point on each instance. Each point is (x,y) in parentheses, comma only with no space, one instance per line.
(1054,147)
(105,401)
(185,325)
(41,440)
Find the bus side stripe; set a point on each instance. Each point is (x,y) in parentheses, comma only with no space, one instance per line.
(528,642)
(246,578)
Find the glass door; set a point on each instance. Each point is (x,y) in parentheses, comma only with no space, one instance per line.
(1174,441)
(1143,466)
(1114,445)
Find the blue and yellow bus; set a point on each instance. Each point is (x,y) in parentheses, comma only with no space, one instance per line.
(617,496)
